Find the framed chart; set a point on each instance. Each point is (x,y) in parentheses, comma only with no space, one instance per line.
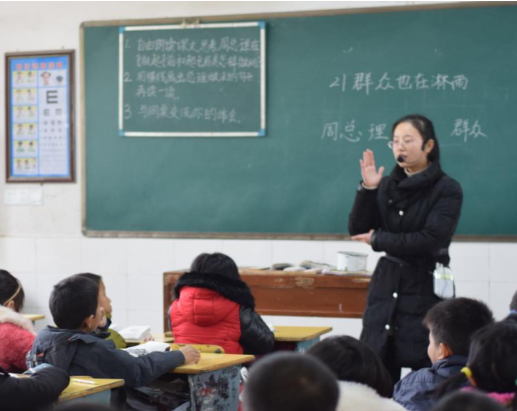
(39,116)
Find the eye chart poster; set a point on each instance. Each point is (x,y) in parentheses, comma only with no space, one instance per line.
(39,117)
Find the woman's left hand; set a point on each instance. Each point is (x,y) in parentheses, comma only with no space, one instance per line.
(365,238)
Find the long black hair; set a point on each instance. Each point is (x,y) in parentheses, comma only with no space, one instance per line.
(426,129)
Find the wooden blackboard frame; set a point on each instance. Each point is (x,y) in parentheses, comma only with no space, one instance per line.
(249,17)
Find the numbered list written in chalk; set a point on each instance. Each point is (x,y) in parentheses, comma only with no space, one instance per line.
(192,81)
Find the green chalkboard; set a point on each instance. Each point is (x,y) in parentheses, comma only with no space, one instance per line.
(203,80)
(335,84)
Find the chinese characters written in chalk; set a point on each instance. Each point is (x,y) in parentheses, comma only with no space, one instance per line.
(365,82)
(164,111)
(465,128)
(377,131)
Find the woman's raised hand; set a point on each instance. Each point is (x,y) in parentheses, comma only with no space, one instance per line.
(371,177)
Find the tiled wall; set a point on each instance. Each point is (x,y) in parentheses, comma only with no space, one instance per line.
(133,268)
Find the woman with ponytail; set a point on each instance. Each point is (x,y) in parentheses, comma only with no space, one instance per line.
(16,331)
(491,366)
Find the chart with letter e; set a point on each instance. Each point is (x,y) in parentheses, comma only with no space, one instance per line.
(39,117)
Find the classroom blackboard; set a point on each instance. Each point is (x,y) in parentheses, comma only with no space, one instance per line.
(335,84)
(204,80)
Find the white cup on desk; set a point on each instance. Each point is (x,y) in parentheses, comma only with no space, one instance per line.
(351,261)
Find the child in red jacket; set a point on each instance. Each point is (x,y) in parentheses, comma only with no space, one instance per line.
(16,331)
(214,306)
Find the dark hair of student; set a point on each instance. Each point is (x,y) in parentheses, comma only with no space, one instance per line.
(454,321)
(73,300)
(290,382)
(513,304)
(467,401)
(492,361)
(11,290)
(216,263)
(96,278)
(425,128)
(351,360)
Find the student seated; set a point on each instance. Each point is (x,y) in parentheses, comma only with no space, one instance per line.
(467,401)
(32,394)
(16,331)
(513,304)
(451,325)
(214,306)
(104,330)
(288,381)
(75,308)
(491,366)
(364,382)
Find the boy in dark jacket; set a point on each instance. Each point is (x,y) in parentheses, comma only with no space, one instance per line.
(75,308)
(451,324)
(34,393)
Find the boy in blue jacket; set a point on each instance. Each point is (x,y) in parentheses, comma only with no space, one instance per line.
(75,308)
(451,324)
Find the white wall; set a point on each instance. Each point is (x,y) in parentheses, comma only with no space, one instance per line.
(43,244)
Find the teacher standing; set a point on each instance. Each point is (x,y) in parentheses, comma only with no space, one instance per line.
(411,215)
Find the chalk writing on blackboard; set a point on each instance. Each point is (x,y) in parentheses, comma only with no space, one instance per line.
(201,80)
(463,127)
(378,131)
(364,81)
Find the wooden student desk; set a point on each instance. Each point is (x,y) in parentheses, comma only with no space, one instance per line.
(214,381)
(34,317)
(294,293)
(298,338)
(99,393)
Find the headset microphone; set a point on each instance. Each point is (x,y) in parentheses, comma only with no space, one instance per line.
(400,159)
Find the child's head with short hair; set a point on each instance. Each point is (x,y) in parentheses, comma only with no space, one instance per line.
(104,300)
(290,382)
(467,401)
(451,324)
(216,263)
(352,360)
(11,291)
(74,304)
(513,304)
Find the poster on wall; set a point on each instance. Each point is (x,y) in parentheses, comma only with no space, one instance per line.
(39,116)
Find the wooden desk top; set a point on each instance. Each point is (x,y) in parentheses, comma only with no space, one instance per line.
(34,317)
(78,390)
(294,334)
(212,362)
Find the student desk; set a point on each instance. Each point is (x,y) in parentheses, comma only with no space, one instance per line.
(99,393)
(34,317)
(214,381)
(298,338)
(294,293)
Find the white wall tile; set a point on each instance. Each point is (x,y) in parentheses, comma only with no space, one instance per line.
(294,252)
(150,257)
(470,261)
(18,254)
(145,293)
(45,285)
(186,250)
(117,291)
(472,289)
(500,297)
(154,318)
(104,256)
(58,256)
(30,287)
(502,262)
(249,253)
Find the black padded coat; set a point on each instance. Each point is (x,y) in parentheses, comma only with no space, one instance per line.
(414,219)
